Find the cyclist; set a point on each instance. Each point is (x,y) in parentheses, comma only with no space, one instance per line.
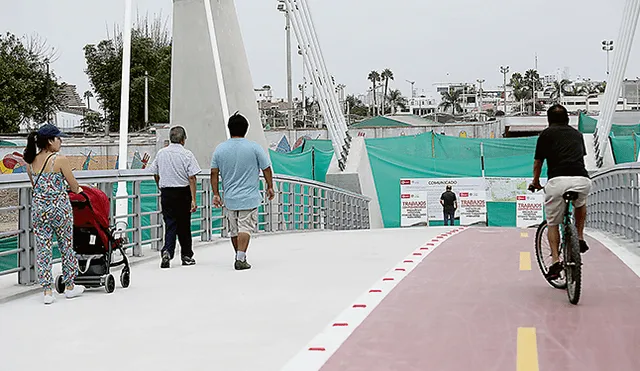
(562,146)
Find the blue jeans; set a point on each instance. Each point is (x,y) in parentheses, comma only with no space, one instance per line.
(449,215)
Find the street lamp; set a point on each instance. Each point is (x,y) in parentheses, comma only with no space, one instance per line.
(412,91)
(282,7)
(607,46)
(505,71)
(479,99)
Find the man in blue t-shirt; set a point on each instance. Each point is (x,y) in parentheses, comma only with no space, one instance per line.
(238,162)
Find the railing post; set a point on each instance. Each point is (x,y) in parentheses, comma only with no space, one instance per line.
(137,219)
(205,212)
(26,240)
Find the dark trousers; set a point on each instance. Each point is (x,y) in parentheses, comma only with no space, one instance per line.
(176,211)
(449,215)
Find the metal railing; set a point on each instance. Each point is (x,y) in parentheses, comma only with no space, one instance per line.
(299,204)
(613,205)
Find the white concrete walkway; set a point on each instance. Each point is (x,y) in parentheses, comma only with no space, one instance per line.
(207,317)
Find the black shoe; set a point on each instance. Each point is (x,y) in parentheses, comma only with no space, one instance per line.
(165,260)
(242,265)
(583,247)
(554,271)
(187,260)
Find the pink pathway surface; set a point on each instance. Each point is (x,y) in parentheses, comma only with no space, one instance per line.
(461,308)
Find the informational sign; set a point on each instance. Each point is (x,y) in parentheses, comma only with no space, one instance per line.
(507,189)
(437,186)
(473,207)
(413,203)
(529,210)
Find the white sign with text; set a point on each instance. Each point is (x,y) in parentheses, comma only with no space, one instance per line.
(529,210)
(473,207)
(413,203)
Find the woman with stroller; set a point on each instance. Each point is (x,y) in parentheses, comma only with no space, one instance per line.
(51,208)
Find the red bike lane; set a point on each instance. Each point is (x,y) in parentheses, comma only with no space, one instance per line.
(476,303)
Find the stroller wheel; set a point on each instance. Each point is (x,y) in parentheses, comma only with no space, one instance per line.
(110,284)
(125,277)
(59,285)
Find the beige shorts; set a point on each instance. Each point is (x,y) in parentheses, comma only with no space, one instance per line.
(241,221)
(556,188)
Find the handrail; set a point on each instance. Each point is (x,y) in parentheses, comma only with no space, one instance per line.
(300,204)
(613,204)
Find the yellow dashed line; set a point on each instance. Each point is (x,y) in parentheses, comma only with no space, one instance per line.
(524,234)
(525,261)
(527,358)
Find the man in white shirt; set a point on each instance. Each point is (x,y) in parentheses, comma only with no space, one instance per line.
(175,169)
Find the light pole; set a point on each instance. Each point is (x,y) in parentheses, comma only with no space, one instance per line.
(412,91)
(505,71)
(607,46)
(283,8)
(479,99)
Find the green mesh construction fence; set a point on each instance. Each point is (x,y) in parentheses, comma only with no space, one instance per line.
(431,155)
(625,148)
(587,125)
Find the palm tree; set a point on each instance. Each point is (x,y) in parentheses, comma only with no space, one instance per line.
(451,99)
(386,75)
(374,77)
(396,100)
(559,88)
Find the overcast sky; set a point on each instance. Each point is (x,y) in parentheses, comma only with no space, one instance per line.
(428,41)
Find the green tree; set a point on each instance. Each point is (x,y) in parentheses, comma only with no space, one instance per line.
(386,75)
(27,91)
(151,53)
(374,77)
(451,99)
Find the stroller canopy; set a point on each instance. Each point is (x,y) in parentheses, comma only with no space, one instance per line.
(91,209)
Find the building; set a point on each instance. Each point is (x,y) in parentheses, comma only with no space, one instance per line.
(264,94)
(69,117)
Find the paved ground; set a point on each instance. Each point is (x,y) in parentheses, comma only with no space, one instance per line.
(206,317)
(412,299)
(478,303)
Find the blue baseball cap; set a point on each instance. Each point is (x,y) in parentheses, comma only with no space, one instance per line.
(50,131)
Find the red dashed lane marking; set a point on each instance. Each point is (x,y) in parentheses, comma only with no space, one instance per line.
(317,349)
(332,342)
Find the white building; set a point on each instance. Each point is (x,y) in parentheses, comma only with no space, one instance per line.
(264,94)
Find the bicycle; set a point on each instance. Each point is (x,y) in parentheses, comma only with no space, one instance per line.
(569,251)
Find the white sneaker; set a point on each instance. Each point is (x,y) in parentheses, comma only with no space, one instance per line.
(49,299)
(77,291)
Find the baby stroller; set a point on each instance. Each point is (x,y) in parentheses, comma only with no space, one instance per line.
(94,242)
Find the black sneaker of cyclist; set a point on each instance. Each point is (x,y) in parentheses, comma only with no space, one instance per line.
(583,247)
(554,271)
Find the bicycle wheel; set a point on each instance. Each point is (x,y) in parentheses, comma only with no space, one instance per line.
(573,267)
(543,255)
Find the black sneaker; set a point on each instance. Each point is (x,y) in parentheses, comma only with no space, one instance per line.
(554,271)
(583,247)
(165,260)
(242,265)
(187,260)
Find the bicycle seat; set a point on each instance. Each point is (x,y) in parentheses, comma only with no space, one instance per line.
(570,196)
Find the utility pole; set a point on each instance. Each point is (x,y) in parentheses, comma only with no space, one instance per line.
(479,99)
(46,96)
(146,98)
(505,71)
(289,78)
(607,46)
(412,91)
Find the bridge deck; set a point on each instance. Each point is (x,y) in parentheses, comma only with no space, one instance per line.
(466,306)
